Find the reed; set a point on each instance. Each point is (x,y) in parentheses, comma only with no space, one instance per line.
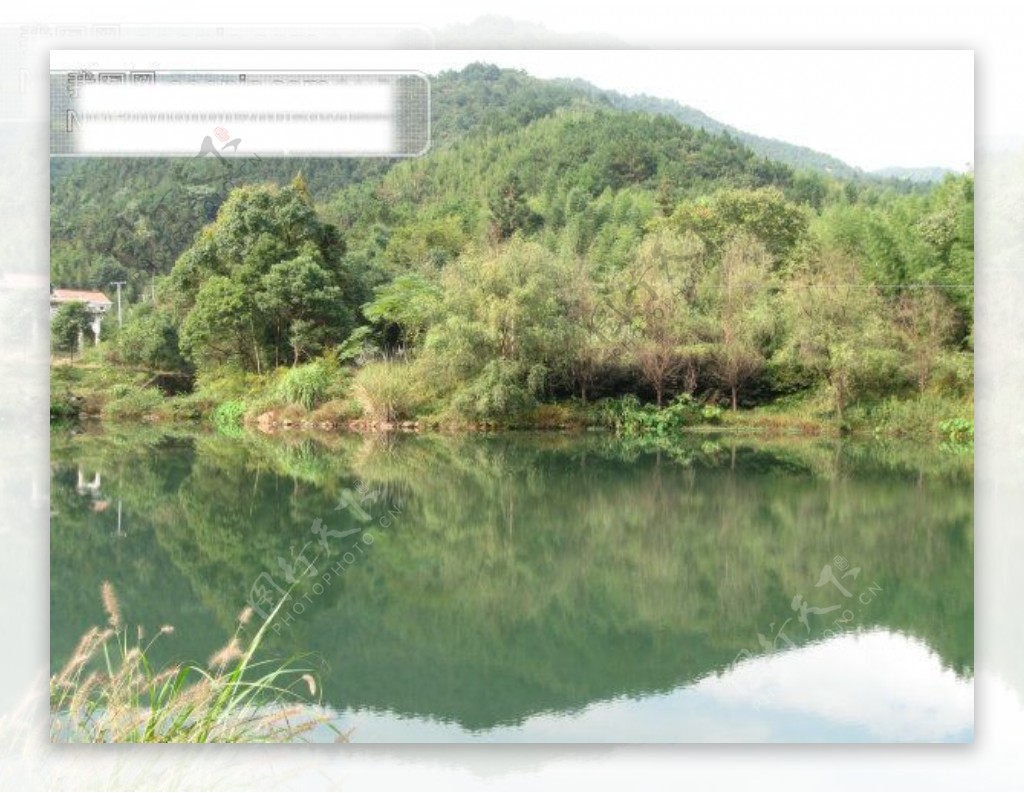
(110,692)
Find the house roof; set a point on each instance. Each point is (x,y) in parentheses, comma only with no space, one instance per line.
(79,295)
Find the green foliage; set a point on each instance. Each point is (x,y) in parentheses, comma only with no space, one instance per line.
(635,421)
(711,414)
(553,244)
(387,391)
(958,430)
(410,302)
(502,392)
(657,300)
(131,402)
(262,283)
(228,416)
(744,314)
(62,406)
(71,322)
(149,338)
(838,331)
(763,214)
(306,385)
(502,329)
(920,416)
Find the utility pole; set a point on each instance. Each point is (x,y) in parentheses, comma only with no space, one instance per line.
(119,284)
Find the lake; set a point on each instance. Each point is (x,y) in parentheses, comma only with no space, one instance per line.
(545,587)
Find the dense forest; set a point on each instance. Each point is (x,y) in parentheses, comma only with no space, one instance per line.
(561,255)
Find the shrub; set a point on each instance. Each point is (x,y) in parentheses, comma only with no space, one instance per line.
(957,430)
(386,391)
(923,416)
(215,387)
(62,407)
(503,391)
(306,385)
(954,374)
(131,402)
(712,414)
(228,416)
(337,411)
(633,420)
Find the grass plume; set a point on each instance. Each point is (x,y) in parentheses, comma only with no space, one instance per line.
(109,691)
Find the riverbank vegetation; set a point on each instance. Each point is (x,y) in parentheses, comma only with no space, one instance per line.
(110,691)
(583,266)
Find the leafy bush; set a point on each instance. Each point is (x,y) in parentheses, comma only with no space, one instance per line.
(954,374)
(957,430)
(712,414)
(148,338)
(227,383)
(228,416)
(62,407)
(923,416)
(633,420)
(501,392)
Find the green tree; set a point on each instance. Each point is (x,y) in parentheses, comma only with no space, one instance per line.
(509,210)
(765,214)
(926,322)
(71,327)
(220,328)
(303,305)
(595,338)
(264,279)
(743,313)
(838,330)
(657,302)
(149,338)
(410,303)
(503,330)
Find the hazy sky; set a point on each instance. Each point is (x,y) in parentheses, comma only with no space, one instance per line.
(869,108)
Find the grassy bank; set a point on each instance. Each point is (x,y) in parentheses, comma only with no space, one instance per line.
(385,396)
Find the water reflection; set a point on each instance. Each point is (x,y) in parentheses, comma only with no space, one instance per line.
(875,686)
(523,585)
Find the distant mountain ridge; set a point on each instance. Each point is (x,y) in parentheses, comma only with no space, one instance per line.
(788,153)
(918,175)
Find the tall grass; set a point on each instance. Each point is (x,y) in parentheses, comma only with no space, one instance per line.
(387,391)
(109,691)
(307,385)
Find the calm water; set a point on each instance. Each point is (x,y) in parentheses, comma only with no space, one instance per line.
(546,587)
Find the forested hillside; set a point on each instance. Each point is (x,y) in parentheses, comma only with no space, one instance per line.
(552,247)
(129,218)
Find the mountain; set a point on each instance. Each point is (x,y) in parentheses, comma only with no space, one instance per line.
(923,175)
(559,146)
(795,156)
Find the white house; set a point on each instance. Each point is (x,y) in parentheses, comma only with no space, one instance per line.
(97,303)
